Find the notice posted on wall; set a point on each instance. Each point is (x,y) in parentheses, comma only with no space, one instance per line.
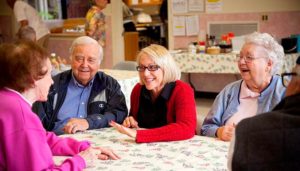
(179,26)
(192,25)
(214,5)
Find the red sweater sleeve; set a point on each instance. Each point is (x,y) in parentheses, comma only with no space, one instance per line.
(181,117)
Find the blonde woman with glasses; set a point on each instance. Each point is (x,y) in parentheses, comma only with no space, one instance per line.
(162,107)
(259,90)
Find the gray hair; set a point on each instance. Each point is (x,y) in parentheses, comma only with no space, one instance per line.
(85,40)
(273,48)
(162,57)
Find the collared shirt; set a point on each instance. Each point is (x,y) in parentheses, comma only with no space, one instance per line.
(75,104)
(154,114)
(248,105)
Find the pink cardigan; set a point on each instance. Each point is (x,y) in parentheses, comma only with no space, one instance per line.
(181,115)
(24,143)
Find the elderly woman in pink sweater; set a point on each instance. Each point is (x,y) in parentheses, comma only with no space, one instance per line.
(24,144)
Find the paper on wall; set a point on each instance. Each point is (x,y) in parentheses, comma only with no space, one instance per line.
(180,6)
(179,26)
(192,25)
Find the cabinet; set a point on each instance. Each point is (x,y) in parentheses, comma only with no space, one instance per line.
(131,45)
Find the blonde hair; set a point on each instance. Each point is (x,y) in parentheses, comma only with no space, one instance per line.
(162,57)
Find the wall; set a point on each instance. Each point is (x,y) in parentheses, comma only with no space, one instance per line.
(283,18)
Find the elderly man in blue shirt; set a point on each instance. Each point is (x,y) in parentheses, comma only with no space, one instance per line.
(82,98)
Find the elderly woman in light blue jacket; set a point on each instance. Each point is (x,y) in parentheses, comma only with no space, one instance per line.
(259,90)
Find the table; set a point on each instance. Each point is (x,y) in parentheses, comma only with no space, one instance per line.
(126,79)
(198,153)
(216,71)
(220,63)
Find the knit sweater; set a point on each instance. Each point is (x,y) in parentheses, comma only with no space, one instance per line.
(181,115)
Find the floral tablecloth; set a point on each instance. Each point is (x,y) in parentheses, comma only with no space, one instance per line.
(199,153)
(126,79)
(220,63)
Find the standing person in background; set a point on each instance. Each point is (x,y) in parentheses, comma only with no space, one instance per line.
(161,103)
(24,144)
(95,21)
(26,15)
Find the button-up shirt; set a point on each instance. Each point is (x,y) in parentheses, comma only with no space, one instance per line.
(75,104)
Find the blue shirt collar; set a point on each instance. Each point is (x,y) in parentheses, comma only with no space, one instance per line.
(73,79)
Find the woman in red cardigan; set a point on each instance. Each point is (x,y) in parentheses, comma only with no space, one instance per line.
(162,105)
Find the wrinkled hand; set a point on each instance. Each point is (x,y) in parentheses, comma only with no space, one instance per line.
(225,132)
(106,153)
(130,122)
(124,130)
(75,124)
(90,155)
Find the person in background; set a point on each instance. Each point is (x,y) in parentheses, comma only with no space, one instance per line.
(24,144)
(161,104)
(82,98)
(271,140)
(95,21)
(259,90)
(26,33)
(26,15)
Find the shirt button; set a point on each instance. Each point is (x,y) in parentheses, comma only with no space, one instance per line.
(82,103)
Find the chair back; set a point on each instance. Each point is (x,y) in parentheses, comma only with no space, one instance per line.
(126,65)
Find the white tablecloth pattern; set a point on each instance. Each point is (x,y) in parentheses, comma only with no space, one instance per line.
(220,63)
(126,79)
(199,153)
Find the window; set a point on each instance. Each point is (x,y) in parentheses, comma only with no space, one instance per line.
(48,9)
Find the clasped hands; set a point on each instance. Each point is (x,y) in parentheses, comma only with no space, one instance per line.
(126,127)
(226,132)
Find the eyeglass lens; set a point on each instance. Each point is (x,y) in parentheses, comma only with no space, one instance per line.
(149,68)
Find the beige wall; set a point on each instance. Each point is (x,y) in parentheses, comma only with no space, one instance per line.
(232,6)
(283,18)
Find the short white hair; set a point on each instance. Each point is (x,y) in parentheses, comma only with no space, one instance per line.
(85,40)
(273,48)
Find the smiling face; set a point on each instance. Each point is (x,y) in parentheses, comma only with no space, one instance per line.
(85,62)
(256,72)
(153,80)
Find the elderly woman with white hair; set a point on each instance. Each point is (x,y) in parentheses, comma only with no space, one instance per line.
(259,90)
(161,103)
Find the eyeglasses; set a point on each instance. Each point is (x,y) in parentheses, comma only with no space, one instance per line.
(142,68)
(248,59)
(287,77)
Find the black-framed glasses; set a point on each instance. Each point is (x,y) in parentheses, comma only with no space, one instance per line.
(248,59)
(142,68)
(287,77)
